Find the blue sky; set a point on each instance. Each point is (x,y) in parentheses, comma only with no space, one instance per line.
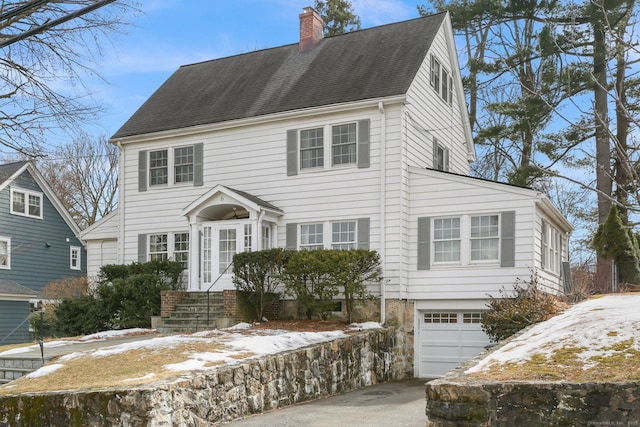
(170,33)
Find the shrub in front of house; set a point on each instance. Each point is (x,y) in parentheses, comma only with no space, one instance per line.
(126,297)
(512,312)
(257,277)
(313,278)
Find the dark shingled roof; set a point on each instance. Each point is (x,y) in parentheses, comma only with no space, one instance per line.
(7,170)
(12,288)
(365,64)
(257,200)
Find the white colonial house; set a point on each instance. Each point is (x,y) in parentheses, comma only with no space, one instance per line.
(357,140)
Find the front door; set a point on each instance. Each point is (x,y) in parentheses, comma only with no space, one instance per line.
(220,241)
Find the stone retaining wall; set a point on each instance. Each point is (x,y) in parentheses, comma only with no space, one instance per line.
(473,403)
(226,393)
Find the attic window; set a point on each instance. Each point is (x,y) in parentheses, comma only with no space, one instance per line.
(26,203)
(441,80)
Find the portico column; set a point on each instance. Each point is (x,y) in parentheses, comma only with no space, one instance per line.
(194,255)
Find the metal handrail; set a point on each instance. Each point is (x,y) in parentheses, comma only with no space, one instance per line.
(16,328)
(209,291)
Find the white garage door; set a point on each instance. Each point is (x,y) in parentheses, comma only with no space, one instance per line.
(447,339)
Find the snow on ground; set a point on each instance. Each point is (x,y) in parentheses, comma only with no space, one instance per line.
(238,342)
(594,326)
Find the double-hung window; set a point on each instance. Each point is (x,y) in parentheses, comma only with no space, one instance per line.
(440,157)
(74,258)
(183,164)
(446,240)
(343,144)
(158,247)
(5,253)
(170,166)
(26,203)
(311,236)
(158,167)
(312,148)
(343,235)
(181,249)
(441,80)
(551,248)
(466,239)
(485,238)
(169,246)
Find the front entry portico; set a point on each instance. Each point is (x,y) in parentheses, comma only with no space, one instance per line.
(222,223)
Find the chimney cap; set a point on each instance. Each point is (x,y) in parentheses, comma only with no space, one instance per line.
(308,9)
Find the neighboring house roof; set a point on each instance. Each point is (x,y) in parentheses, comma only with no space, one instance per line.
(10,171)
(7,170)
(367,64)
(9,287)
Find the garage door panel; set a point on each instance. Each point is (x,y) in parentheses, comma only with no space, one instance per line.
(444,346)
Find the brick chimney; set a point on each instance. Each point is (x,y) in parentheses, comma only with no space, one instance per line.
(311,29)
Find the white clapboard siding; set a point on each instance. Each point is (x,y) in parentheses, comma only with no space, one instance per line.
(435,194)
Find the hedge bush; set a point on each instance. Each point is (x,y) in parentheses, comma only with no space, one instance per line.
(126,297)
(515,311)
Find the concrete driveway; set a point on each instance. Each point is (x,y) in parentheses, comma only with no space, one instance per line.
(396,404)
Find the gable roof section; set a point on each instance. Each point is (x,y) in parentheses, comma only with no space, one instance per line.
(8,170)
(16,169)
(366,64)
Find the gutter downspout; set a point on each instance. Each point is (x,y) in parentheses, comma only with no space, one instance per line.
(383,203)
(120,204)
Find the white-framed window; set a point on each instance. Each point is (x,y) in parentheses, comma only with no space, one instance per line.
(446,240)
(342,150)
(169,246)
(343,235)
(158,247)
(183,164)
(475,317)
(158,167)
(311,236)
(551,255)
(5,253)
(435,317)
(466,239)
(441,80)
(247,238)
(174,166)
(181,249)
(26,203)
(312,148)
(266,237)
(75,260)
(344,144)
(440,157)
(485,238)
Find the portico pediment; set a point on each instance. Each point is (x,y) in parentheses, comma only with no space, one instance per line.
(224,203)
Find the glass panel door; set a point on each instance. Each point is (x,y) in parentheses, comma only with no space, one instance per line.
(227,248)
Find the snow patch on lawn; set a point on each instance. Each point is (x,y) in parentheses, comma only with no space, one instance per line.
(595,326)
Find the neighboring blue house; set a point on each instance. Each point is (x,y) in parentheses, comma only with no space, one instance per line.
(38,245)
